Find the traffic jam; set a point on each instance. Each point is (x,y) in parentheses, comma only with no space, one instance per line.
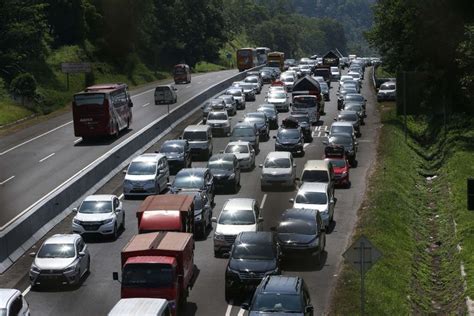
(198,190)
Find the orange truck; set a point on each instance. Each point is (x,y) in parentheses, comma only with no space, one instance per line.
(158,265)
(168,212)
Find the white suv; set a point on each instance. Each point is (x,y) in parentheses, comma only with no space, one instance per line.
(237,215)
(99,214)
(12,302)
(147,174)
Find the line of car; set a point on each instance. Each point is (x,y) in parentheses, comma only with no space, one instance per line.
(302,228)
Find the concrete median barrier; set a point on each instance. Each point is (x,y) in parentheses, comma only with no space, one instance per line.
(17,236)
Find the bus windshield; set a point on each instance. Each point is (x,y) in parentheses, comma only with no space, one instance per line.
(89,99)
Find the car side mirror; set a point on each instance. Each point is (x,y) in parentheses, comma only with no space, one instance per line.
(214,219)
(81,254)
(245,306)
(130,104)
(308,309)
(32,254)
(168,184)
(74,210)
(260,165)
(292,201)
(175,89)
(124,171)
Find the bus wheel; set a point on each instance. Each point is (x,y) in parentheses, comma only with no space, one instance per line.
(117,131)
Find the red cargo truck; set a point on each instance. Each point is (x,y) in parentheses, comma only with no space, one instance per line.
(168,212)
(158,265)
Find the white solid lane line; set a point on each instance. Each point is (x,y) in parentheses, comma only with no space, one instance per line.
(77,140)
(27,290)
(120,196)
(263,201)
(146,104)
(241,312)
(47,157)
(34,138)
(5,181)
(228,310)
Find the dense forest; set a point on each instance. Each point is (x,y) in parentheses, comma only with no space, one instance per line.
(135,40)
(435,38)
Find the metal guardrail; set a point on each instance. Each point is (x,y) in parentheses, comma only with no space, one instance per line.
(36,221)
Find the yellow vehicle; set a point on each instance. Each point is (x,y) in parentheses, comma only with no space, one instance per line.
(276,59)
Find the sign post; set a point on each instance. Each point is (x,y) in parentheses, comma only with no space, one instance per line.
(73,68)
(362,255)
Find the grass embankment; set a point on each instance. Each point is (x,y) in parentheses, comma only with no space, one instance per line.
(409,218)
(380,72)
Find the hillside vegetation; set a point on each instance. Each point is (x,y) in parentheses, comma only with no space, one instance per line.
(137,42)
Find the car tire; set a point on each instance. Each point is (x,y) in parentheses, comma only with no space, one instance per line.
(123,222)
(229,294)
(203,230)
(115,233)
(236,187)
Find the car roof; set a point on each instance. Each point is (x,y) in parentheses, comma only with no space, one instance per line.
(298,213)
(244,125)
(239,204)
(181,142)
(238,142)
(223,156)
(255,237)
(347,112)
(315,164)
(279,154)
(62,239)
(313,187)
(197,128)
(6,295)
(281,284)
(148,157)
(100,197)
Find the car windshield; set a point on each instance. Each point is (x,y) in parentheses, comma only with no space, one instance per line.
(243,149)
(220,164)
(277,96)
(267,111)
(57,251)
(95,207)
(277,163)
(141,168)
(387,87)
(171,148)
(341,129)
(355,97)
(220,116)
(315,176)
(188,182)
(291,133)
(237,93)
(338,163)
(254,119)
(243,132)
(237,217)
(89,99)
(353,107)
(297,226)
(288,79)
(348,117)
(251,79)
(341,140)
(277,302)
(246,86)
(196,136)
(311,198)
(304,102)
(253,252)
(149,275)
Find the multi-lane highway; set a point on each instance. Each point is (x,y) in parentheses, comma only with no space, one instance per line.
(99,293)
(36,160)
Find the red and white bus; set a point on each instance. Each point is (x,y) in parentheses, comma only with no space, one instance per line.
(246,58)
(102,110)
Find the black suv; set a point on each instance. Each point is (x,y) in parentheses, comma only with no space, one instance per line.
(177,153)
(252,256)
(290,139)
(301,232)
(305,124)
(280,295)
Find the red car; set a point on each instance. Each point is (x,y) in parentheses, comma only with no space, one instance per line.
(337,157)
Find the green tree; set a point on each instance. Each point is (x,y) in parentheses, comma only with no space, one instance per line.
(67,21)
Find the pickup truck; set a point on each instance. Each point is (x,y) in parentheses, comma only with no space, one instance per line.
(158,265)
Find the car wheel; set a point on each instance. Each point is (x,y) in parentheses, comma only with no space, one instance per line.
(202,234)
(236,187)
(115,234)
(123,221)
(229,294)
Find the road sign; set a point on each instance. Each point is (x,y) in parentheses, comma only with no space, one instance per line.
(71,68)
(362,255)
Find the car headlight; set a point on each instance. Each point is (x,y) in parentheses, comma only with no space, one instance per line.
(315,242)
(275,271)
(344,173)
(108,221)
(35,269)
(232,176)
(218,236)
(76,221)
(72,268)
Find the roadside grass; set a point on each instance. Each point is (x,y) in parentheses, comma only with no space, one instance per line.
(380,72)
(409,217)
(239,41)
(203,66)
(10,112)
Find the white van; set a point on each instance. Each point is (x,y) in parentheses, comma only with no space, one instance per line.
(318,171)
(141,307)
(165,94)
(200,140)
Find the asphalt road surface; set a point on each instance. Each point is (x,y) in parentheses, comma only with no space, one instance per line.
(36,160)
(98,293)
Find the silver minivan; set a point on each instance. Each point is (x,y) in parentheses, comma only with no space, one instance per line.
(147,174)
(199,138)
(165,94)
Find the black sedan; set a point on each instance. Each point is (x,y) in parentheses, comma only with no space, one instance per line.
(225,169)
(301,232)
(271,114)
(253,256)
(346,141)
(177,153)
(194,178)
(290,139)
